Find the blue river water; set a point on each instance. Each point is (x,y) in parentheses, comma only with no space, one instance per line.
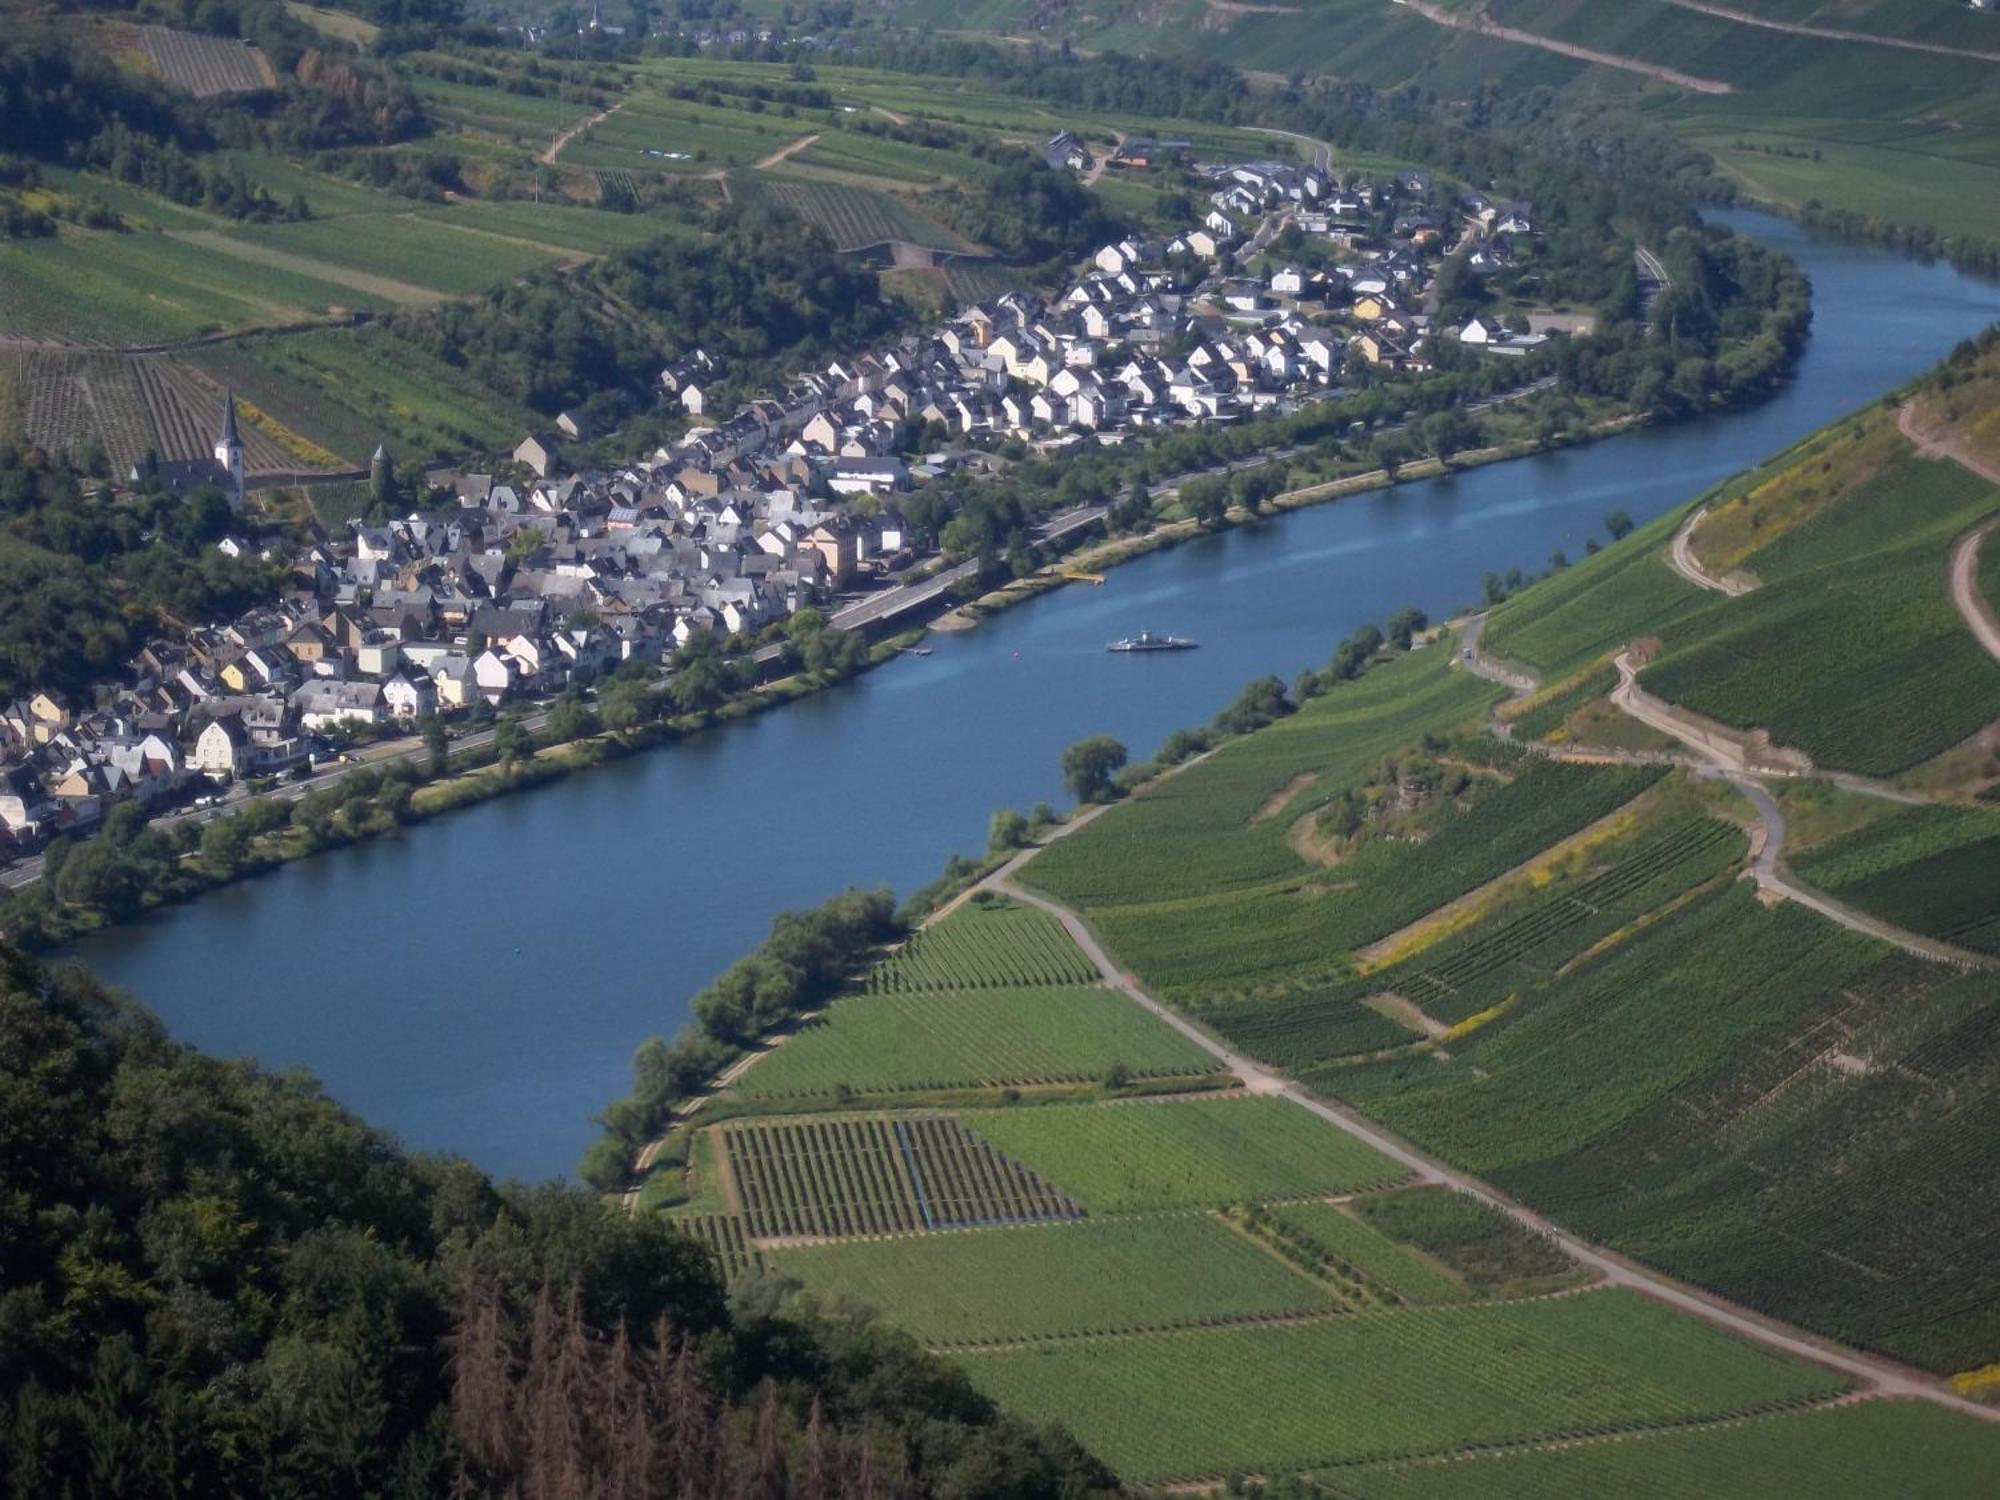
(478,984)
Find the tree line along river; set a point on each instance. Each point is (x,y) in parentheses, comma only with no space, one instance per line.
(479,983)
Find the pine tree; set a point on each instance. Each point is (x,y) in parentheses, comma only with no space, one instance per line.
(814,1483)
(768,1480)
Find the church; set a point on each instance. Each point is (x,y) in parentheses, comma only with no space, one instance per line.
(224,469)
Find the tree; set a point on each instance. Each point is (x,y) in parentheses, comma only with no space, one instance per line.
(1008,830)
(223,844)
(1619,525)
(1404,625)
(1207,500)
(511,740)
(1089,765)
(437,744)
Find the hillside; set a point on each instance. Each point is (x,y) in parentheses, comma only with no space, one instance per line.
(1847,115)
(1322,1071)
(219,1283)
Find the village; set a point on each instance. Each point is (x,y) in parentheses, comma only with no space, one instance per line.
(512,586)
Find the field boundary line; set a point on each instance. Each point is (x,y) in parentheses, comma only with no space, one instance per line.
(1681,558)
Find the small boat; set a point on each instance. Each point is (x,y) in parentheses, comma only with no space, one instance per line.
(1145,640)
(915,650)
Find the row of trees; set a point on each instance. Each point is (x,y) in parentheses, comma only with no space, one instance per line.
(807,957)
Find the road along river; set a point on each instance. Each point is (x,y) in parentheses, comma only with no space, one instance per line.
(479,984)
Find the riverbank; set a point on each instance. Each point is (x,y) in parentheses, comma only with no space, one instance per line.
(532,940)
(38,920)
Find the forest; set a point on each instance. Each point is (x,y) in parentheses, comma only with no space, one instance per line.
(220,1283)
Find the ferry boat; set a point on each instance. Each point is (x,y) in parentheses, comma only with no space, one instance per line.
(1145,640)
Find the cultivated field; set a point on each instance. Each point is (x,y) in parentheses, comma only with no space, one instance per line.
(984,945)
(1909,1449)
(204,66)
(1066,1280)
(880,1176)
(1184,1153)
(855,218)
(1934,870)
(998,1038)
(1426,1380)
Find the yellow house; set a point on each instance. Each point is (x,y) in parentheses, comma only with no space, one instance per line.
(1372,307)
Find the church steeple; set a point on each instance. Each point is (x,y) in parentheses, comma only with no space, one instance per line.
(229,449)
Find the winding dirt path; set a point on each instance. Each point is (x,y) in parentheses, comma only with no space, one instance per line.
(1962,571)
(554,149)
(1484,25)
(1965,591)
(1731,762)
(1877,1377)
(1681,558)
(1833,33)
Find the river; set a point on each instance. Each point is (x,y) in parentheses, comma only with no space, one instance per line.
(478,984)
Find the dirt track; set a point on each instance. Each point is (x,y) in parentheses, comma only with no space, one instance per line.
(548,157)
(1876,1376)
(764,163)
(1681,558)
(1962,572)
(1832,33)
(1485,26)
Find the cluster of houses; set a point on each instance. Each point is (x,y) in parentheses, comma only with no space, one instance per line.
(514,584)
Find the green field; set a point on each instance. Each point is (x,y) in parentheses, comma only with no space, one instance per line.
(1402,1383)
(985,944)
(1482,1245)
(880,1176)
(1909,1449)
(1184,1153)
(972,1038)
(353,388)
(1306,928)
(1208,813)
(1328,1233)
(1934,870)
(1088,1277)
(425,251)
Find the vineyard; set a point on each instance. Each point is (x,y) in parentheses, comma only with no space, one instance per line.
(1332,1241)
(1185,1153)
(1089,1277)
(1757,1102)
(723,1235)
(131,404)
(989,945)
(1305,930)
(1403,1383)
(1490,1251)
(855,218)
(1851,651)
(1016,1038)
(880,1176)
(205,66)
(1934,870)
(1909,1449)
(1208,813)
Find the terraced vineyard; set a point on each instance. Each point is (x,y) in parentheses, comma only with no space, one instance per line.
(880,1176)
(936,1039)
(993,945)
(205,66)
(1332,1241)
(1429,1380)
(1093,1276)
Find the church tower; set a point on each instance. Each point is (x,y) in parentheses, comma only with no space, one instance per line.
(229,451)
